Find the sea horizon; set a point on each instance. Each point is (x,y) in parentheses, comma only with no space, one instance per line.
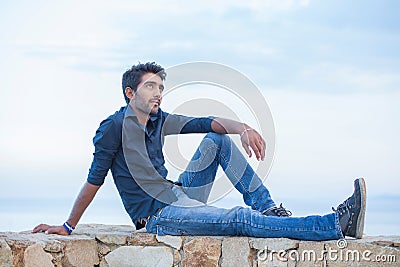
(23,214)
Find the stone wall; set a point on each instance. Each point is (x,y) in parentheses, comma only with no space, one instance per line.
(106,245)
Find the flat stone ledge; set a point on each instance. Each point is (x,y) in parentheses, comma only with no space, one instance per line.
(119,245)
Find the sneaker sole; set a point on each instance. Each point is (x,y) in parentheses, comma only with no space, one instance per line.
(363,200)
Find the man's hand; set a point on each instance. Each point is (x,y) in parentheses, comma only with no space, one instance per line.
(49,229)
(252,139)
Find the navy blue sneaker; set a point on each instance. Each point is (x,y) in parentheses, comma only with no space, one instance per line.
(352,211)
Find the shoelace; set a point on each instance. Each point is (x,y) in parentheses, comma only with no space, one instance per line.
(345,206)
(282,212)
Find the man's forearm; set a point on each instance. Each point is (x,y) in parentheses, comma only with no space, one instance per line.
(250,138)
(227,126)
(83,200)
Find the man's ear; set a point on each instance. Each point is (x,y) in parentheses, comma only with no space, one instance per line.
(129,92)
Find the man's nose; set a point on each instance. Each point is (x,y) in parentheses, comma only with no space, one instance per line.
(158,93)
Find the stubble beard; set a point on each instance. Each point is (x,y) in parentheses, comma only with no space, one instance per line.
(148,109)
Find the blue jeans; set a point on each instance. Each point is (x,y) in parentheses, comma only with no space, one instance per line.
(190,215)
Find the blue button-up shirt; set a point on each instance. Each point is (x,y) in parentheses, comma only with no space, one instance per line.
(134,154)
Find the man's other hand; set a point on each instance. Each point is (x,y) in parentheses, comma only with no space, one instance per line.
(252,140)
(49,229)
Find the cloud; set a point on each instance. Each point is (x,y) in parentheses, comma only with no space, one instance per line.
(338,78)
(179,7)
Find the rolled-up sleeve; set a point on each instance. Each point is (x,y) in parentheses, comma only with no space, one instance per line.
(107,142)
(179,124)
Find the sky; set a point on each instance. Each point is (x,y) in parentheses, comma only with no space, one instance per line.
(329,71)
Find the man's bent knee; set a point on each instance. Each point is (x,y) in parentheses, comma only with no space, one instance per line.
(218,138)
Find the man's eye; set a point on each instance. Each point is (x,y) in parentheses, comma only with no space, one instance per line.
(149,85)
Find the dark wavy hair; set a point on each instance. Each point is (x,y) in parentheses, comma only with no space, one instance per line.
(133,76)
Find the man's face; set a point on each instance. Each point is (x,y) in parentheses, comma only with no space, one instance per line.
(148,96)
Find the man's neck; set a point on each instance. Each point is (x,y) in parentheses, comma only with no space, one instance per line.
(142,117)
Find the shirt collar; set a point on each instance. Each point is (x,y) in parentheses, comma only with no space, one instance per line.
(154,117)
(129,112)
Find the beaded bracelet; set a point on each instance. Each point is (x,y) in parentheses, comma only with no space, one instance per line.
(245,130)
(68,227)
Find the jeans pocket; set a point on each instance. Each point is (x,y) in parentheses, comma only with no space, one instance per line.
(165,230)
(153,220)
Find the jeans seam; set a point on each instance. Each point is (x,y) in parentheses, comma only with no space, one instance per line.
(337,226)
(259,226)
(202,159)
(237,177)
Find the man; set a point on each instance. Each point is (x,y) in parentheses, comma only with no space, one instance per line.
(130,144)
